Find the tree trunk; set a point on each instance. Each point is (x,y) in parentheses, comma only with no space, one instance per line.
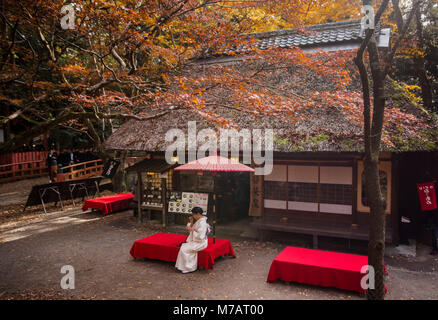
(373,128)
(376,243)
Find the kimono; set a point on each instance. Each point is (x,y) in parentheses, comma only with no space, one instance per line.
(187,260)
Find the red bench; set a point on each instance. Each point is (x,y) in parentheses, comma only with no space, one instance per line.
(109,204)
(320,268)
(164,246)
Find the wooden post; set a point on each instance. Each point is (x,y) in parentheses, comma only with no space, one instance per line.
(97,187)
(395,186)
(139,198)
(164,199)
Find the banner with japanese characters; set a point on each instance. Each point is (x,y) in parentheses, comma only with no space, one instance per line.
(427,195)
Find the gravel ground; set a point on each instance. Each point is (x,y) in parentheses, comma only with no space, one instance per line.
(98,249)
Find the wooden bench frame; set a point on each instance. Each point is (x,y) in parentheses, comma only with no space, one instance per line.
(336,231)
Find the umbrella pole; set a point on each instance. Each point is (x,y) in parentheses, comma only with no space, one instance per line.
(214,218)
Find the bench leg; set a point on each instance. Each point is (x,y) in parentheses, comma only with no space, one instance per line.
(315,241)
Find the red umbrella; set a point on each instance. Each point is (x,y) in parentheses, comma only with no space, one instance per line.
(214,164)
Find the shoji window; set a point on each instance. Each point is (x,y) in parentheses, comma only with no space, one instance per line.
(303,188)
(275,188)
(336,190)
(310,188)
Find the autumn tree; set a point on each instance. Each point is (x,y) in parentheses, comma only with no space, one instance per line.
(121,55)
(107,67)
(415,62)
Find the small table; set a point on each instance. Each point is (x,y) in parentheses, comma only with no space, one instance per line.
(163,246)
(109,204)
(320,268)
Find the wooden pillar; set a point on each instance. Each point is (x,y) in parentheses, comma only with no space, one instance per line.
(139,197)
(46,148)
(214,205)
(354,217)
(395,213)
(164,199)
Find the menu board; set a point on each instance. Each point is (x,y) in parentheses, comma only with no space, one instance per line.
(201,200)
(184,202)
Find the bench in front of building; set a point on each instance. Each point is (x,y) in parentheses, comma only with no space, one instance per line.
(315,228)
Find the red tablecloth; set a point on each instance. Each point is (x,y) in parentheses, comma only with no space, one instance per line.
(321,268)
(110,203)
(163,246)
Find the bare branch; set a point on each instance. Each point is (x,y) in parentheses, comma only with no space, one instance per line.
(390,56)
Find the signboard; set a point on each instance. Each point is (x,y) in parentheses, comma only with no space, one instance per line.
(64,190)
(427,195)
(184,202)
(110,168)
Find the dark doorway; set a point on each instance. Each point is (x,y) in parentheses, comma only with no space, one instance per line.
(233,197)
(232,192)
(415,167)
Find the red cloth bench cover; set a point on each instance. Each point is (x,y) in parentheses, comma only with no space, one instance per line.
(163,246)
(320,268)
(110,203)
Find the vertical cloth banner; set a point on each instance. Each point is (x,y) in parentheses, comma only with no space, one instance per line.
(427,195)
(256,195)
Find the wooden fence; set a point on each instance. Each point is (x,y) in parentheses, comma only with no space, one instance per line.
(23,165)
(20,157)
(81,170)
(23,170)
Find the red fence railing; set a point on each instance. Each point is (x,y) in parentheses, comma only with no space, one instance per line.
(33,164)
(81,170)
(19,157)
(23,170)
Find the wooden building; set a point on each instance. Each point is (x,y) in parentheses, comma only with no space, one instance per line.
(316,186)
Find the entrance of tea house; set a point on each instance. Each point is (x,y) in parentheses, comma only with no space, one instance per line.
(232,191)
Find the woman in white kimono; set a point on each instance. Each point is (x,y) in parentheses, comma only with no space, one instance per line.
(197,240)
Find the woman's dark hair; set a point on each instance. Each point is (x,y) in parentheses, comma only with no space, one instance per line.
(197,210)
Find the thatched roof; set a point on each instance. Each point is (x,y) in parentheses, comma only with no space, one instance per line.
(324,131)
(317,128)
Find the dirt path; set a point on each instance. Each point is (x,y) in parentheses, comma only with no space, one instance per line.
(17,191)
(13,197)
(98,249)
